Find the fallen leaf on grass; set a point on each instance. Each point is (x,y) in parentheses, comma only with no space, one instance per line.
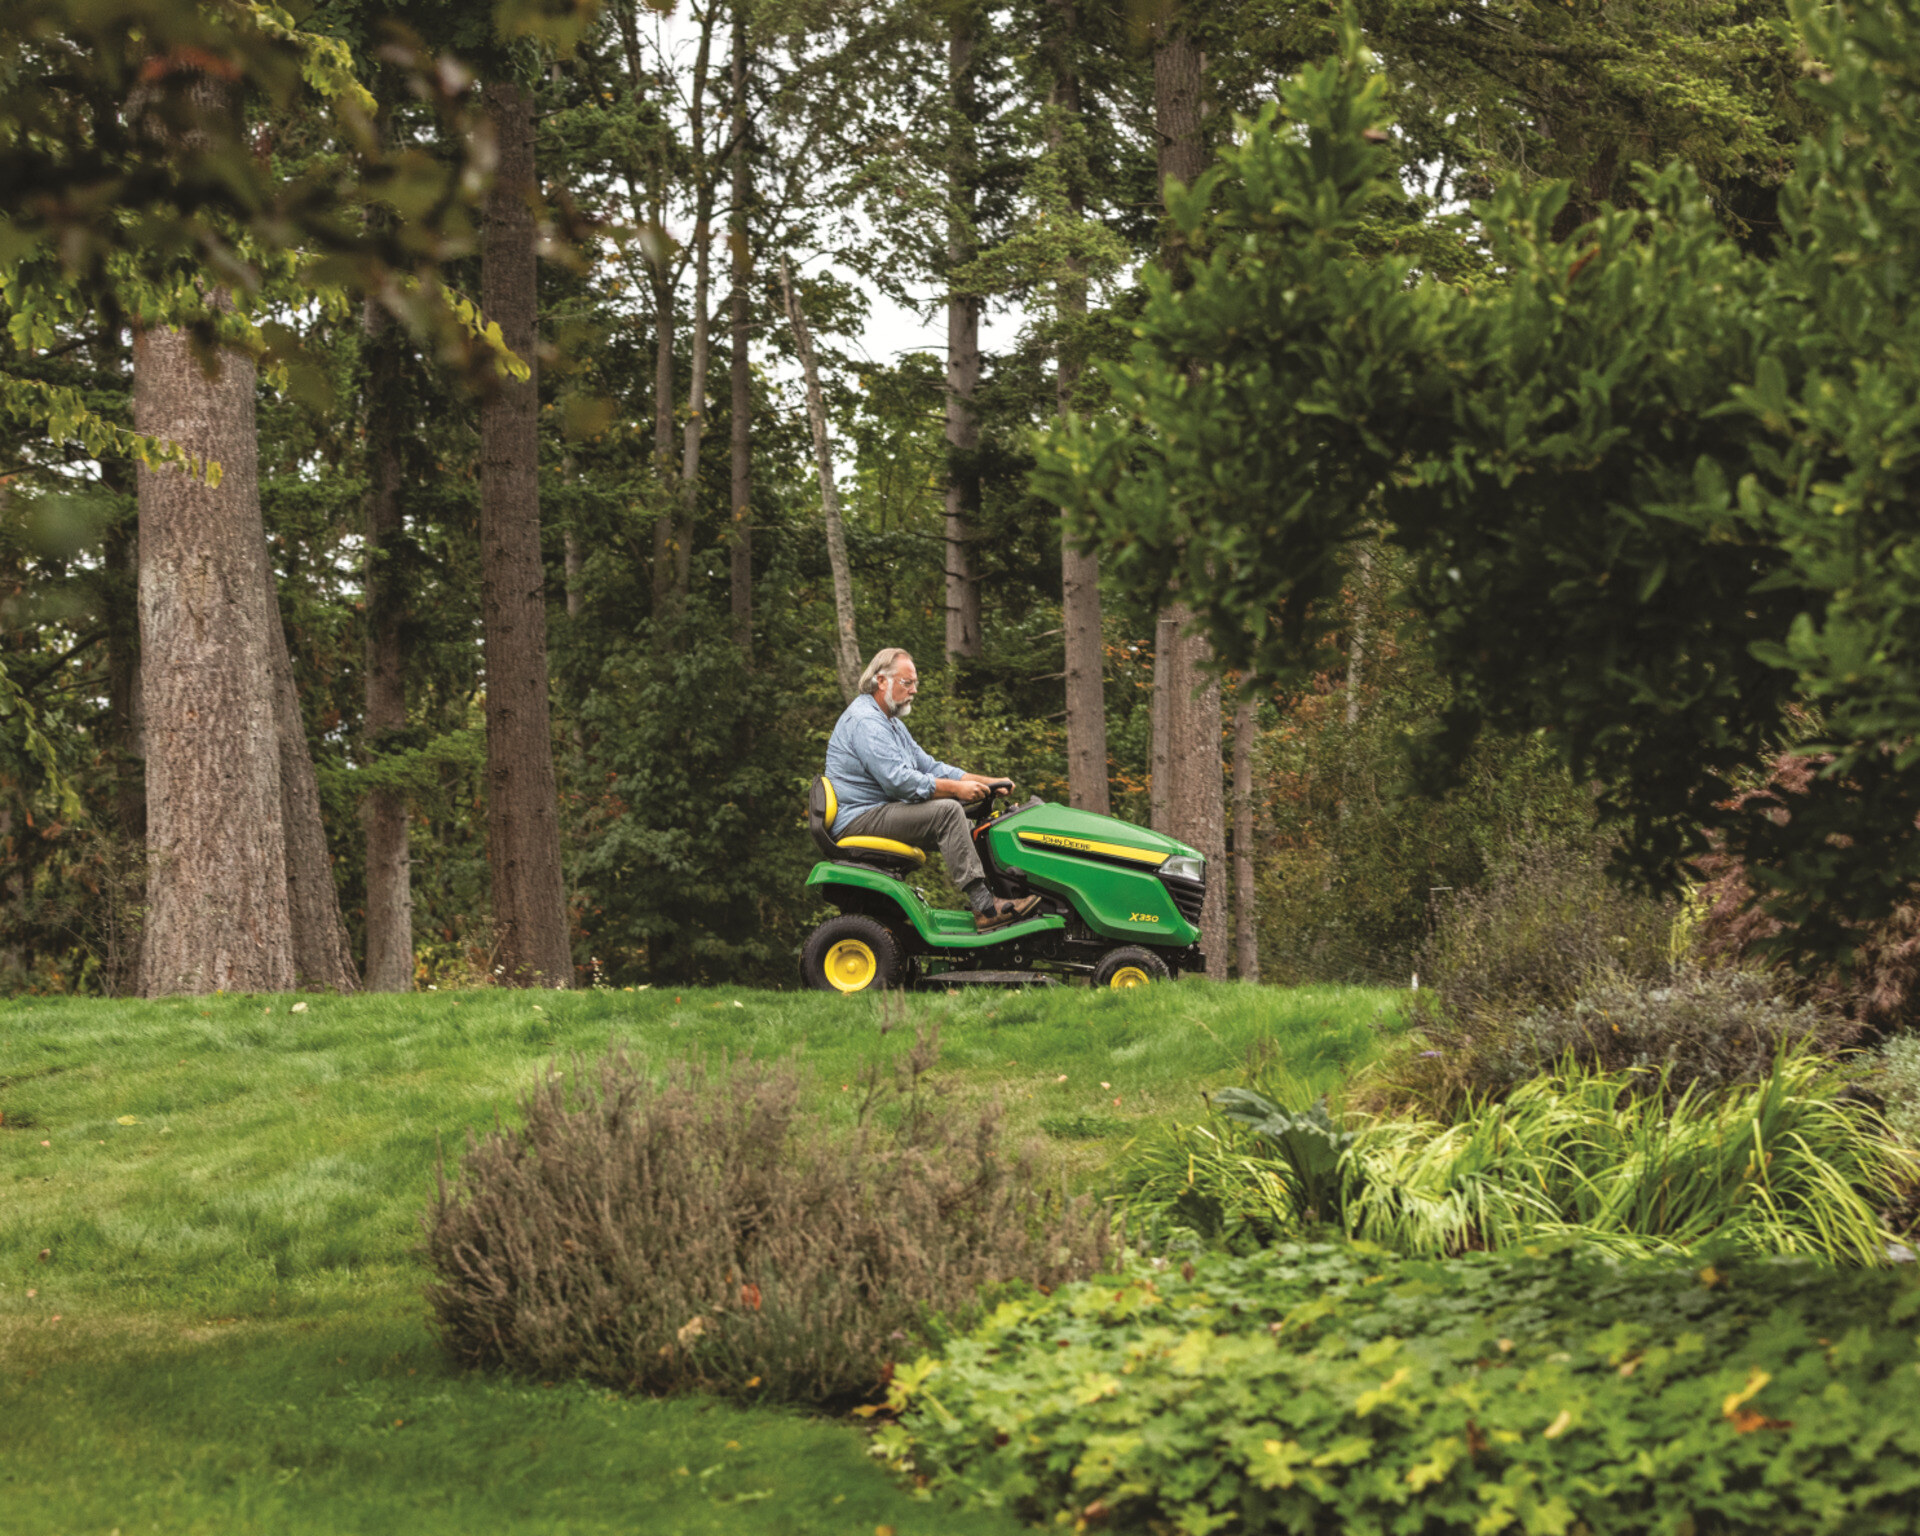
(127,1120)
(691,1330)
(298,1008)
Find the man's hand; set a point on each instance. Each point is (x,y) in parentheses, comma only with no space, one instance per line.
(966,790)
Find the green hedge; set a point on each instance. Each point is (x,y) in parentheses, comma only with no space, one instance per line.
(1318,1389)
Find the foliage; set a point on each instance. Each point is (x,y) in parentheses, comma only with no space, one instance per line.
(1544,926)
(1880,983)
(1353,862)
(1316,1388)
(1626,1161)
(1639,478)
(696,1232)
(1898,1083)
(1708,1028)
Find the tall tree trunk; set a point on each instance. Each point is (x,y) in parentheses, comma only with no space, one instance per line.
(384,815)
(696,426)
(523,831)
(322,953)
(1079,569)
(1246,937)
(740,364)
(1196,809)
(846,643)
(121,603)
(963,340)
(217,913)
(664,553)
(1163,766)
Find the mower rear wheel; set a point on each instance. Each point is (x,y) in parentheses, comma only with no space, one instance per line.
(851,953)
(1130,966)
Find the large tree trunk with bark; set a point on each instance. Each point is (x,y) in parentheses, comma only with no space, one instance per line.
(217,911)
(740,364)
(1086,657)
(322,953)
(523,830)
(384,815)
(846,653)
(963,341)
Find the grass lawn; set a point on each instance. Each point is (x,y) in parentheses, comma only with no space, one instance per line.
(210,1315)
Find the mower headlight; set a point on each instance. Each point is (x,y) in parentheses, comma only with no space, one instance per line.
(1183,868)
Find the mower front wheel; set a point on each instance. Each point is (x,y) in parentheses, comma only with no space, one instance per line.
(1130,966)
(852,953)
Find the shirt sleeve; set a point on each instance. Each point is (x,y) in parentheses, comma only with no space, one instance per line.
(927,764)
(894,760)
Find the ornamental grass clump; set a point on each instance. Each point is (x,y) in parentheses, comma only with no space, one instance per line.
(1788,1165)
(1619,1160)
(699,1230)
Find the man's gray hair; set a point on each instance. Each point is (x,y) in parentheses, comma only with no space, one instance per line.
(881,666)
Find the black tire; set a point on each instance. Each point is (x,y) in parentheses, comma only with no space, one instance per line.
(851,953)
(1129,966)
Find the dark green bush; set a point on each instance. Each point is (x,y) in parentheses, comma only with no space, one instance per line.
(700,1231)
(1318,1389)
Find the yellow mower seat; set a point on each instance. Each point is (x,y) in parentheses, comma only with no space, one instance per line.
(823,809)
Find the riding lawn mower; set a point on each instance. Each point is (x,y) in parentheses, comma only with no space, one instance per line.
(1119,905)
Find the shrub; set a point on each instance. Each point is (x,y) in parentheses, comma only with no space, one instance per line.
(1898,1082)
(1541,929)
(1881,988)
(1317,1388)
(1786,1165)
(699,1231)
(1707,1029)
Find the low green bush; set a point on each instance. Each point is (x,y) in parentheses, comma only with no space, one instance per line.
(1786,1165)
(698,1231)
(1898,1083)
(1315,1389)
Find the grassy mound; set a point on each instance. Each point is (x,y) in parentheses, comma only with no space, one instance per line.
(227,1194)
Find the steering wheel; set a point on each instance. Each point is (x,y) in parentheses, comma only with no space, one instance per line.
(982,810)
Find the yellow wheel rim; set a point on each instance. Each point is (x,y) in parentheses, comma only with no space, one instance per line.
(851,966)
(1130,976)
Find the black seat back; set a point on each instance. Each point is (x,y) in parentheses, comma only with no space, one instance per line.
(822,810)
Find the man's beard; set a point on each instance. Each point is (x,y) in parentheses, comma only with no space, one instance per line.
(900,711)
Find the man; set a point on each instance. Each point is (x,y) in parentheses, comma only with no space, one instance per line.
(889,787)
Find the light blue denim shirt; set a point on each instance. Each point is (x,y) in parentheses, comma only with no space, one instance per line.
(873,759)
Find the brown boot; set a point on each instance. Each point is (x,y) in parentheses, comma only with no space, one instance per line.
(1003,912)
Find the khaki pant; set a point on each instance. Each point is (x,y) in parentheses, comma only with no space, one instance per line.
(938,824)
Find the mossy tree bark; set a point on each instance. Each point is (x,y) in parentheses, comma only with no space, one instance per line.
(523,832)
